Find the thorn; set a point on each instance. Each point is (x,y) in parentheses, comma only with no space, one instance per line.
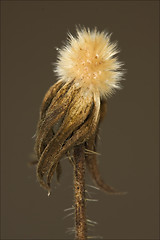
(70,157)
(49,193)
(93,187)
(88,151)
(91,200)
(70,230)
(34,135)
(68,209)
(89,224)
(88,193)
(94,237)
(68,215)
(91,221)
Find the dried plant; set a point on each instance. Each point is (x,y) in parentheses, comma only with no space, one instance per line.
(72,110)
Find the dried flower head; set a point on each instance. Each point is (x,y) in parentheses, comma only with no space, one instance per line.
(89,60)
(73,107)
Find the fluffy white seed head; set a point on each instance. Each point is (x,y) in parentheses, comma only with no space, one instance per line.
(89,59)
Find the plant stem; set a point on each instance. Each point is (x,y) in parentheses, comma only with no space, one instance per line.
(79,189)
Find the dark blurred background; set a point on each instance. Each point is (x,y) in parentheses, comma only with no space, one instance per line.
(30,31)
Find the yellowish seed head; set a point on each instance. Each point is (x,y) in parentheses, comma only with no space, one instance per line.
(89,59)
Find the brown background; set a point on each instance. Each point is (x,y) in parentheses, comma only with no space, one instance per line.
(129,134)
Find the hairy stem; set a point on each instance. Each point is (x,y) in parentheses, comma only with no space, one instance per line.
(79,189)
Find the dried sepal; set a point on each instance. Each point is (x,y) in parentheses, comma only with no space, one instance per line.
(91,157)
(58,171)
(92,165)
(78,123)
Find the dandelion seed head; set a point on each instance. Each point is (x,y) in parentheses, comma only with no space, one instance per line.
(89,59)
